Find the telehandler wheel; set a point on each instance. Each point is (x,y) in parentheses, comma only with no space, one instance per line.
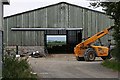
(107,57)
(89,55)
(80,58)
(104,57)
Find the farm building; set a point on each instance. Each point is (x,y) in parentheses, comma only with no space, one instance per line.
(31,28)
(2,3)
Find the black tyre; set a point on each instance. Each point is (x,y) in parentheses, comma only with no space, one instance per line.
(104,57)
(80,58)
(89,54)
(107,57)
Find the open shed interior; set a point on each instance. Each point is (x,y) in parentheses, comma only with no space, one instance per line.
(73,37)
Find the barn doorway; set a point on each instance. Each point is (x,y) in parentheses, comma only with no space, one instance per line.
(56,43)
(71,39)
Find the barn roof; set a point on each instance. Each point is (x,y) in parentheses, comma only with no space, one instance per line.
(54,5)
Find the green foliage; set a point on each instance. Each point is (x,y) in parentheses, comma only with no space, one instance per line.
(16,68)
(54,43)
(112,64)
(112,9)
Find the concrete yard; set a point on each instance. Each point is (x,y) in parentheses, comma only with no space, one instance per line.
(66,66)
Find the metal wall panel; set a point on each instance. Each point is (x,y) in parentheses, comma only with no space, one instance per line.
(1,28)
(57,16)
(90,21)
(5,34)
(1,15)
(1,52)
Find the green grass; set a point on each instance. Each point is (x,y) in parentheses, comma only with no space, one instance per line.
(54,43)
(112,64)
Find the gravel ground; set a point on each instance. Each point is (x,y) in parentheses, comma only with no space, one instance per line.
(66,66)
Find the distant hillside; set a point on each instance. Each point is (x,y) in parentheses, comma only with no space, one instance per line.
(56,38)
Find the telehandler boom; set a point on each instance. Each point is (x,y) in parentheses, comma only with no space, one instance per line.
(88,52)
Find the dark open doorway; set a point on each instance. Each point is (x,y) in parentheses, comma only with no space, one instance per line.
(71,39)
(74,37)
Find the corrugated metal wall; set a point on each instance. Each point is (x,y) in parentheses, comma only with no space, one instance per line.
(1,15)
(60,16)
(1,36)
(1,49)
(90,21)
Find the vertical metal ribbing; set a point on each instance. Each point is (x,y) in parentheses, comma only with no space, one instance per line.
(54,16)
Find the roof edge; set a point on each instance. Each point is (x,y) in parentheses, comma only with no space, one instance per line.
(6,2)
(54,5)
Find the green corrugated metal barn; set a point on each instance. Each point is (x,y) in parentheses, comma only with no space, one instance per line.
(60,15)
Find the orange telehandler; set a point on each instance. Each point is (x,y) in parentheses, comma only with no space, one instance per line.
(87,51)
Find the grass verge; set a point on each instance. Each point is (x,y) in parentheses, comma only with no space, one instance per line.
(112,64)
(17,69)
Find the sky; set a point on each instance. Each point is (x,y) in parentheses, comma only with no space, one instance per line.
(19,6)
(56,38)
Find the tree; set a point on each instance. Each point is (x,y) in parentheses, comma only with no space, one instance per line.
(112,9)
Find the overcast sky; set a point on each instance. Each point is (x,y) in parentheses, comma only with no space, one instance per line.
(18,6)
